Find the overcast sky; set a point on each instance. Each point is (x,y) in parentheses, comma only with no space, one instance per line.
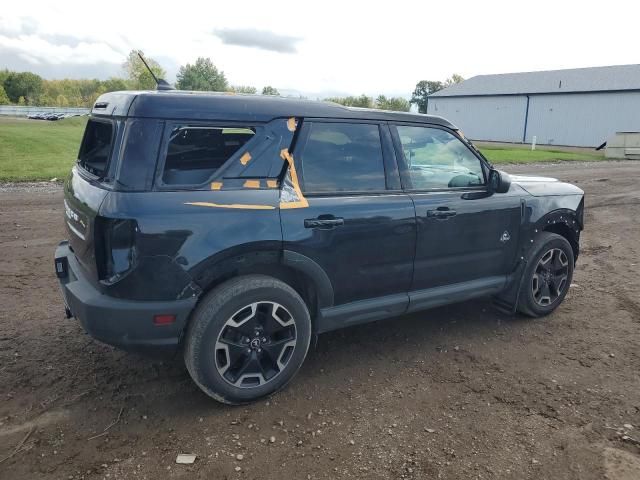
(320,48)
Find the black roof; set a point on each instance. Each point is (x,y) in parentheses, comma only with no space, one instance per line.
(177,104)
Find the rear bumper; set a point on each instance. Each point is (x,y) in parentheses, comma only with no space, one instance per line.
(126,324)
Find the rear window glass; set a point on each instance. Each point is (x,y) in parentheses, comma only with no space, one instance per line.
(96,147)
(194,153)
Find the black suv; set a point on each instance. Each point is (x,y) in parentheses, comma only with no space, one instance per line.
(236,228)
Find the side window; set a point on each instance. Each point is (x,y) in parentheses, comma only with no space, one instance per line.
(437,159)
(194,153)
(343,157)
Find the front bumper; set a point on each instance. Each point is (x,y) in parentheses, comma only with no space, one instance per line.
(127,324)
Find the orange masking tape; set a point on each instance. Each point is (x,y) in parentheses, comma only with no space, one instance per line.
(252,184)
(232,205)
(244,159)
(302,202)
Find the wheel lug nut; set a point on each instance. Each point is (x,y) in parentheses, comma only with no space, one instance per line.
(264,339)
(259,350)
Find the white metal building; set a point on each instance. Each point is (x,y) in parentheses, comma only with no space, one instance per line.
(579,107)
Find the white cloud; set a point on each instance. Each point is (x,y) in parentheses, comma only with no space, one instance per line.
(262,39)
(38,50)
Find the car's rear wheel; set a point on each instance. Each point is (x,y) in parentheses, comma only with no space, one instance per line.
(547,276)
(247,338)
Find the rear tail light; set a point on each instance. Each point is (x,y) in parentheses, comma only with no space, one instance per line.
(115,247)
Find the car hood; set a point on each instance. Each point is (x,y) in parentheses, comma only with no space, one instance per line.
(542,186)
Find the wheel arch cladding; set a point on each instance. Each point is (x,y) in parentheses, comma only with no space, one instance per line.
(566,223)
(299,272)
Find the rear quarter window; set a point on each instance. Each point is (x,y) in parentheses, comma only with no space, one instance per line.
(196,152)
(95,149)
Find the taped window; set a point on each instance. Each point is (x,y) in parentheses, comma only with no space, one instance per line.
(195,153)
(343,157)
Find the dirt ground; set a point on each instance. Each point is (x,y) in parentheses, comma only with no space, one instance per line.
(458,392)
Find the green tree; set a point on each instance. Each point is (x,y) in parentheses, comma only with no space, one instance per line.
(243,89)
(61,101)
(453,79)
(423,89)
(3,75)
(269,90)
(115,84)
(46,101)
(4,98)
(202,75)
(138,74)
(23,84)
(21,101)
(362,101)
(37,91)
(88,88)
(397,104)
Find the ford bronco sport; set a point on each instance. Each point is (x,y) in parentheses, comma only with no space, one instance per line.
(236,228)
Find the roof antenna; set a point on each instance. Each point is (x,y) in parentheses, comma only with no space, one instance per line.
(161,83)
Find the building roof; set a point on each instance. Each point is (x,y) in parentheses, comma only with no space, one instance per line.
(593,79)
(178,104)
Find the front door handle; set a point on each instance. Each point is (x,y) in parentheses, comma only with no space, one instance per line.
(323,222)
(441,213)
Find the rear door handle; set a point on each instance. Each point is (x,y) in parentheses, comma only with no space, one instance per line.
(323,222)
(441,213)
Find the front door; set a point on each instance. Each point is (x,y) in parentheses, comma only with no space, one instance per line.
(467,239)
(359,226)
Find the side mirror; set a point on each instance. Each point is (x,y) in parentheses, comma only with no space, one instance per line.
(499,182)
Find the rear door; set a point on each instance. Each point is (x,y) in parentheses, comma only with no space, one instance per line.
(464,234)
(359,226)
(86,188)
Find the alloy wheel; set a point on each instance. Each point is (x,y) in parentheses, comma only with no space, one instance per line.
(255,344)
(550,277)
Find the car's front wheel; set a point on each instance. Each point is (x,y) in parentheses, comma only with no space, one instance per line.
(547,276)
(247,338)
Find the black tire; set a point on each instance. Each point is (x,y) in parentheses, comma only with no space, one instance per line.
(534,301)
(216,336)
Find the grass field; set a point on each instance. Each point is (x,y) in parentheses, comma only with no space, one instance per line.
(505,153)
(40,150)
